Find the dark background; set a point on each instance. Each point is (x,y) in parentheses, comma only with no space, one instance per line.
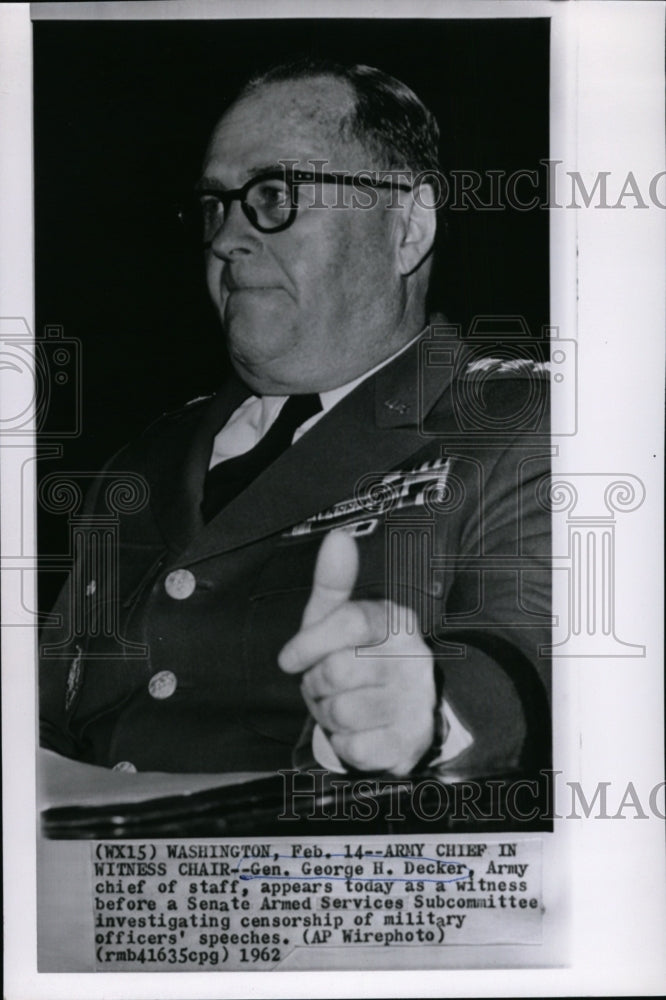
(122,115)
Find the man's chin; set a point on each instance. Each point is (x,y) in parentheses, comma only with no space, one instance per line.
(261,376)
(258,355)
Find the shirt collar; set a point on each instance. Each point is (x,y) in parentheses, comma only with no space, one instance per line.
(329,398)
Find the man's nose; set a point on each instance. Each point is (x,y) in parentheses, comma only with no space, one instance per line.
(236,235)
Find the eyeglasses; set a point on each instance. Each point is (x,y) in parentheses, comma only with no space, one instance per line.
(269,200)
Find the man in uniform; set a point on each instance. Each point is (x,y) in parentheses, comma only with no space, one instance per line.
(343,560)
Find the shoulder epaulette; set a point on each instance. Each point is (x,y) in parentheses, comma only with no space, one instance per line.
(185,408)
(186,412)
(198,399)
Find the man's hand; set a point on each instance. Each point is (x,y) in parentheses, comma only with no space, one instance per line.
(377,711)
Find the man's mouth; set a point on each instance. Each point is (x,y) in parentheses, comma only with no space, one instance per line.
(231,284)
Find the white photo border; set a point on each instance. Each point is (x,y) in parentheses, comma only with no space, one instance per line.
(608,271)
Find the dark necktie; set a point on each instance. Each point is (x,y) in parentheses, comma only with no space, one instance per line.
(229,478)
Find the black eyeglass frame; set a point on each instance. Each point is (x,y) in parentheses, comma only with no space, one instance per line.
(292,178)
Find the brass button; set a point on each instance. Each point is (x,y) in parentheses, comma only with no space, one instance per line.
(162,685)
(125,765)
(180,583)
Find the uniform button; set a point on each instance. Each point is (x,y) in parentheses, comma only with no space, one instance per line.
(180,583)
(125,765)
(162,685)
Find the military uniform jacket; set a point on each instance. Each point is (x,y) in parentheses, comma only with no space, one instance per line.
(165,656)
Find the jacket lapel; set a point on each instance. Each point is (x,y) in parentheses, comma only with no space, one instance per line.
(370,431)
(177,470)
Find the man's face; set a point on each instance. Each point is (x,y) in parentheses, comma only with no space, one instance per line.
(312,307)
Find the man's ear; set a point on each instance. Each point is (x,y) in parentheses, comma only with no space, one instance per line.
(418,229)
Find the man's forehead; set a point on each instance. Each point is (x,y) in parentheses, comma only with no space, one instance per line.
(291,119)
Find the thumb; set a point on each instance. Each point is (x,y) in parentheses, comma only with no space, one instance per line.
(335,574)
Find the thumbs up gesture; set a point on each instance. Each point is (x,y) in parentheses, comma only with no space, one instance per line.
(377,710)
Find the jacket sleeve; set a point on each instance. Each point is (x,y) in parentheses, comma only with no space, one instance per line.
(87,606)
(498,614)
(62,652)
